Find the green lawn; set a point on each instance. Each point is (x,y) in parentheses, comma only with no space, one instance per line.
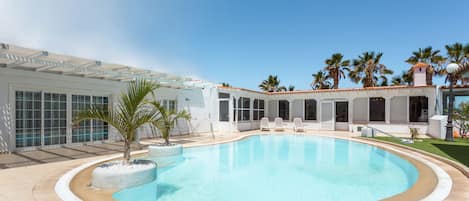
(457,150)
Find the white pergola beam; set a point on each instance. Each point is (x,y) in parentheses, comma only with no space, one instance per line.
(43,61)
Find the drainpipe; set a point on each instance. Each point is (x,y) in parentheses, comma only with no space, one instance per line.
(438,108)
(210,115)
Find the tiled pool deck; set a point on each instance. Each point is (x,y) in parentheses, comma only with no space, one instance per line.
(32,175)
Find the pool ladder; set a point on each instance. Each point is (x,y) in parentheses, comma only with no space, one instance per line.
(375,130)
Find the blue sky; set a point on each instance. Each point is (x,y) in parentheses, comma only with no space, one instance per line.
(240,42)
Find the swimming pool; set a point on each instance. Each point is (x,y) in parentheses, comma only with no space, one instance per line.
(279,167)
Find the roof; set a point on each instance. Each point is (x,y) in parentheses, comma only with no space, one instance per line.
(464,86)
(16,57)
(330,90)
(420,65)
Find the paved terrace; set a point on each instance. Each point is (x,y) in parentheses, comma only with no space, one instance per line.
(36,172)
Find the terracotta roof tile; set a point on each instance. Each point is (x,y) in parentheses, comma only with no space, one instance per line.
(329,90)
(420,65)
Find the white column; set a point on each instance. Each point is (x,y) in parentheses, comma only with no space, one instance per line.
(387,109)
(69,118)
(236,112)
(350,110)
(251,109)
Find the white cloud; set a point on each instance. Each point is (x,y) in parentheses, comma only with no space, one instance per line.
(88,28)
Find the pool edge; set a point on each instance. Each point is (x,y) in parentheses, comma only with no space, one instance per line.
(78,187)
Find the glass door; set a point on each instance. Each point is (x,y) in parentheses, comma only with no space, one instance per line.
(341,115)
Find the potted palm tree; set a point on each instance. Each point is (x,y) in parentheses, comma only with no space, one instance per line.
(130,113)
(166,153)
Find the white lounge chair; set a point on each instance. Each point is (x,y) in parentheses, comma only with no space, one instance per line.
(279,124)
(265,124)
(298,125)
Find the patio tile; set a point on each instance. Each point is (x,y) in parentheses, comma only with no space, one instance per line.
(11,158)
(21,164)
(38,155)
(65,152)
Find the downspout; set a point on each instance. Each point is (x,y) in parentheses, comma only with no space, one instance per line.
(210,114)
(438,109)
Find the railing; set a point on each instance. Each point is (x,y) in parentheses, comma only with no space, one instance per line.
(375,130)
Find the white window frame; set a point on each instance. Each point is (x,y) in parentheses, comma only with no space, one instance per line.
(258,109)
(241,110)
(316,109)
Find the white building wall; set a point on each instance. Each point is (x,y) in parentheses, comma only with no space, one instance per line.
(273,109)
(202,103)
(297,109)
(198,101)
(18,80)
(360,110)
(396,107)
(399,109)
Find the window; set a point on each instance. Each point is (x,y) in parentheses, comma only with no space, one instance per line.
(55,118)
(100,128)
(258,109)
(341,111)
(223,113)
(223,107)
(169,104)
(223,95)
(234,109)
(28,118)
(377,109)
(283,109)
(418,109)
(89,129)
(310,109)
(243,109)
(82,131)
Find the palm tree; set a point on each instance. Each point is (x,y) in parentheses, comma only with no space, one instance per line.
(336,67)
(368,70)
(271,84)
(397,80)
(291,88)
(458,53)
(321,81)
(224,84)
(130,113)
(167,119)
(383,82)
(430,57)
(404,79)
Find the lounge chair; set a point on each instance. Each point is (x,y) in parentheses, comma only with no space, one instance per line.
(279,124)
(265,124)
(298,125)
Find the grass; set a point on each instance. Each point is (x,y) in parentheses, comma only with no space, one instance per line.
(457,150)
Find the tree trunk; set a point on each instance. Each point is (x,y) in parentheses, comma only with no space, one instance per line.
(429,76)
(166,136)
(336,81)
(126,152)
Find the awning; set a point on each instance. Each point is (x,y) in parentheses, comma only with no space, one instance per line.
(21,58)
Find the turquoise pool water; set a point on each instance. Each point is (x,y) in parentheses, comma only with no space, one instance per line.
(279,167)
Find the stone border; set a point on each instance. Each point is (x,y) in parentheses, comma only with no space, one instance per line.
(62,187)
(444,183)
(441,191)
(462,168)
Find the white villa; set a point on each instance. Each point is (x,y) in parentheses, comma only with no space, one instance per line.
(40,92)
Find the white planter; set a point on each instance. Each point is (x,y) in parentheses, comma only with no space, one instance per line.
(165,155)
(115,175)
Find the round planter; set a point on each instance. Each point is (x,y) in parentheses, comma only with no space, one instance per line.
(165,155)
(115,175)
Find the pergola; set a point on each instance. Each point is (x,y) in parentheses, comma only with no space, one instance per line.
(16,57)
